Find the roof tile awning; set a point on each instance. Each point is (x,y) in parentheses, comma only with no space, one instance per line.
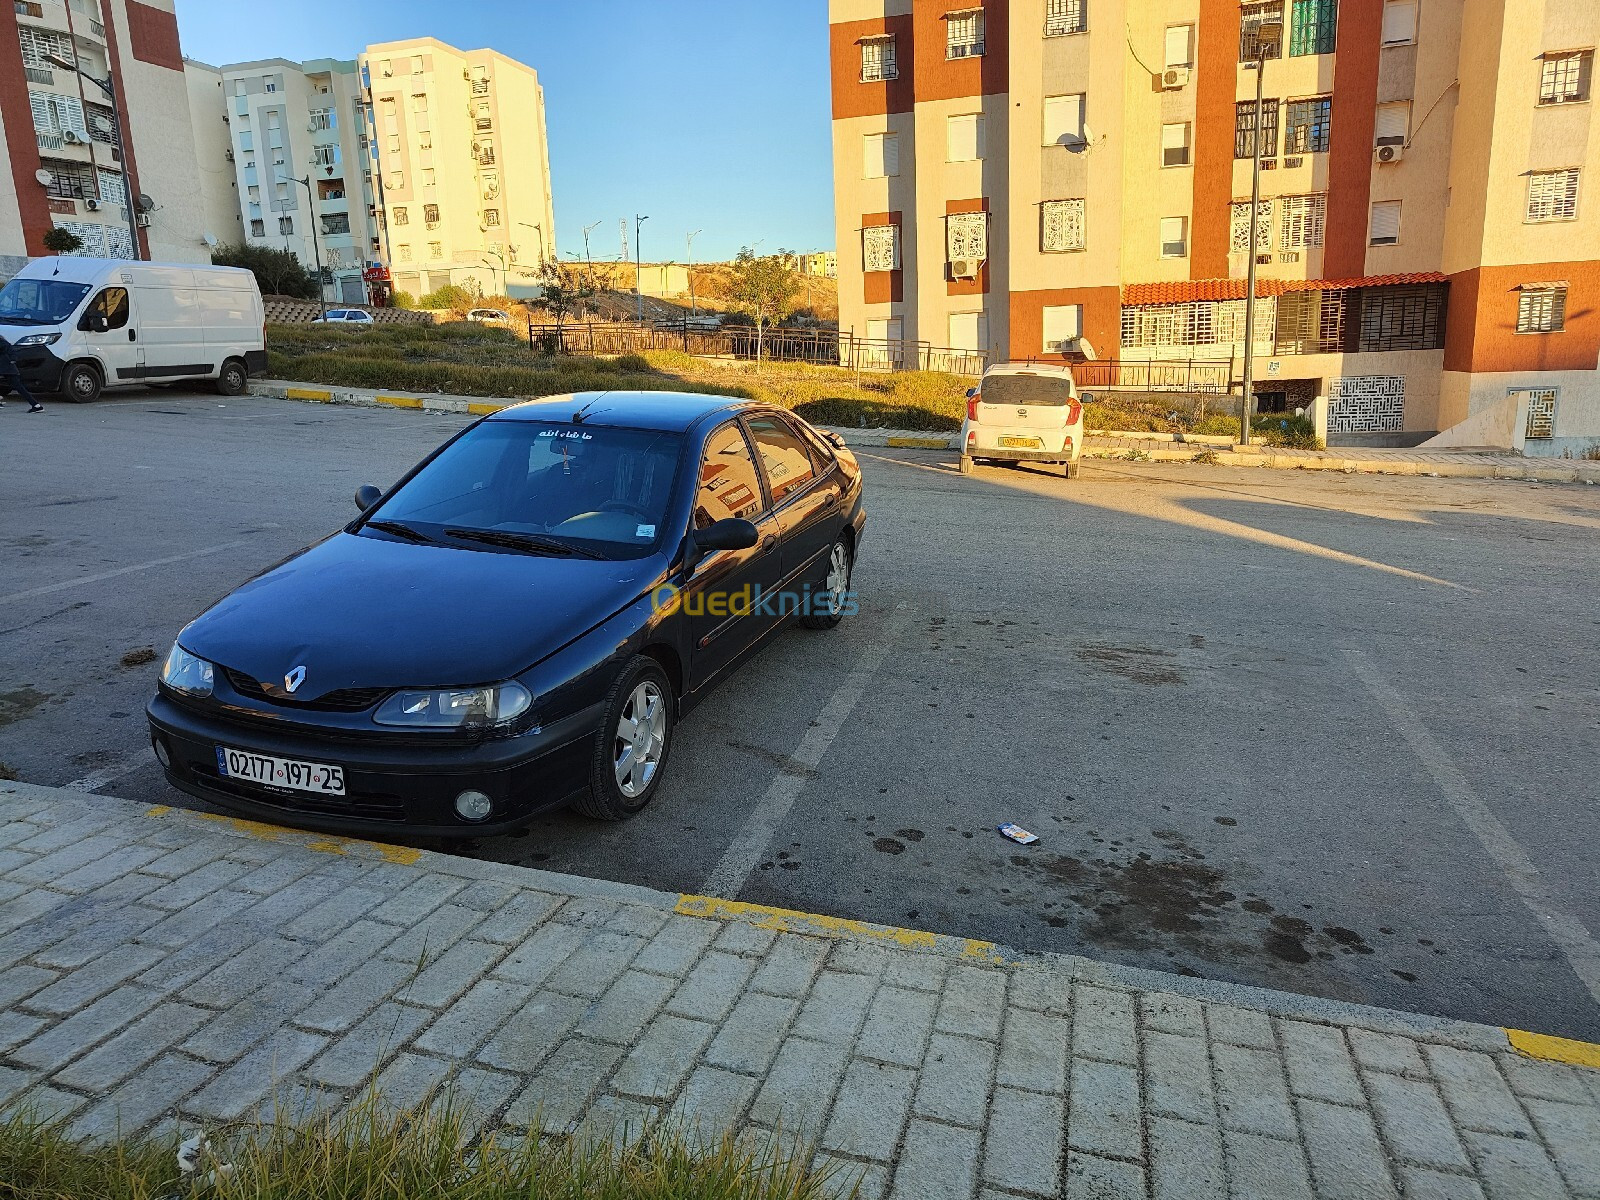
(1183,291)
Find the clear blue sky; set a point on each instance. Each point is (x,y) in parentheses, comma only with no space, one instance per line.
(704,114)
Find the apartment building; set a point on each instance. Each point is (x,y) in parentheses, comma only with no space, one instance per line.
(59,131)
(461,166)
(1033,178)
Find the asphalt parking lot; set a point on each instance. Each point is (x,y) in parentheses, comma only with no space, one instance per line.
(1335,735)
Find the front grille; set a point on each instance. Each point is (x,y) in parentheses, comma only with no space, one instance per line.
(340,700)
(372,806)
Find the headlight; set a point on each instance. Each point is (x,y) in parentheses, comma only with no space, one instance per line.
(186,674)
(39,339)
(456,708)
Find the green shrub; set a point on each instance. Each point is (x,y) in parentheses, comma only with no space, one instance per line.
(1217,425)
(632,362)
(1286,429)
(399,299)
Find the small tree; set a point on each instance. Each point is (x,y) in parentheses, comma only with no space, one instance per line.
(566,289)
(277,272)
(763,286)
(62,241)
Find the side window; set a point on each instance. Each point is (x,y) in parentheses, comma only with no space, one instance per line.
(112,304)
(728,484)
(821,452)
(783,456)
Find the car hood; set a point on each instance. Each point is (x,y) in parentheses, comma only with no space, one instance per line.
(365,612)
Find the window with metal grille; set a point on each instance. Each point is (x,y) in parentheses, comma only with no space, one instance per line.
(964,34)
(1199,323)
(966,236)
(491,216)
(1553,195)
(1061,225)
(285,224)
(1244,128)
(1313,26)
(1239,235)
(1542,309)
(1564,78)
(877,60)
(334,224)
(1250,18)
(400,216)
(1310,323)
(1065,16)
(40,45)
(1306,125)
(880,248)
(258,228)
(1402,318)
(435,249)
(102,121)
(70,180)
(430,215)
(1541,412)
(1304,219)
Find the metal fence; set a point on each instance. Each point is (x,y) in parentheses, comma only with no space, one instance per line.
(1156,375)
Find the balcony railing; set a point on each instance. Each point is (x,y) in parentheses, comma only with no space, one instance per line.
(49,141)
(97,29)
(26,8)
(66,207)
(39,74)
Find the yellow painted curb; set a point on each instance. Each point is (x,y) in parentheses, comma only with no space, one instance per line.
(1554,1049)
(484,409)
(905,443)
(399,401)
(260,830)
(307,394)
(788,920)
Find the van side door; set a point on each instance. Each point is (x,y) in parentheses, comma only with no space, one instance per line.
(110,334)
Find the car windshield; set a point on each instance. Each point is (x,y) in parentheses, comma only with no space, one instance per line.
(600,489)
(39,301)
(1026,390)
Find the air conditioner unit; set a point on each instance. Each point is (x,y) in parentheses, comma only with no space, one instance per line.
(143,220)
(1388,154)
(965,268)
(1174,77)
(92,205)
(73,138)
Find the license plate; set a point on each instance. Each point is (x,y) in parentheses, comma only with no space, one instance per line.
(1022,443)
(267,769)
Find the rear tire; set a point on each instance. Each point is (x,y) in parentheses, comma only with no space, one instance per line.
(81,383)
(232,378)
(965,465)
(630,750)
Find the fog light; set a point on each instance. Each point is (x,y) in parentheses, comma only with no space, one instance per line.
(162,756)
(473,806)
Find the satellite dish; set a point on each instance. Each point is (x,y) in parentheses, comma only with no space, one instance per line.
(44,177)
(101,124)
(210,239)
(145,204)
(1081,143)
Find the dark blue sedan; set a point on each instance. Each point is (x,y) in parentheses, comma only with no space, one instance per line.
(519,623)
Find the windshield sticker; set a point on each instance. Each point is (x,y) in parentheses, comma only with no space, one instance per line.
(645,531)
(566,433)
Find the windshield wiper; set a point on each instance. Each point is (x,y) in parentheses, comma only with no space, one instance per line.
(399,530)
(529,543)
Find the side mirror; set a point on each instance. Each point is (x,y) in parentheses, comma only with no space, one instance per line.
(367,496)
(833,439)
(971,392)
(97,323)
(731,533)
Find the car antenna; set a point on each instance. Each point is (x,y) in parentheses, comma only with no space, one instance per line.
(577,417)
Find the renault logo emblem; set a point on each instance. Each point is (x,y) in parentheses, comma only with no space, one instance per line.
(293,680)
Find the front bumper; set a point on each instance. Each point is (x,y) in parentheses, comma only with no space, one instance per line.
(391,789)
(40,369)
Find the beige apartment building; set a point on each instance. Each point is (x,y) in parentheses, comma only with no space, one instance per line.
(460,164)
(59,132)
(1029,179)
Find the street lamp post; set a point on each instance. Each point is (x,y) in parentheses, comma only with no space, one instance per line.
(107,86)
(693,304)
(638,277)
(539,229)
(1267,34)
(316,246)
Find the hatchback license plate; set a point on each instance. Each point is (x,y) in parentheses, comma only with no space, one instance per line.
(272,771)
(1021,443)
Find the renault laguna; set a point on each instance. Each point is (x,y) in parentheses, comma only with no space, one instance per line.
(518,623)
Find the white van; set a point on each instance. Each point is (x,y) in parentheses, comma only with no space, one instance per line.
(77,325)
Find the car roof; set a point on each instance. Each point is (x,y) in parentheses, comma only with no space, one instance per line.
(674,411)
(1053,370)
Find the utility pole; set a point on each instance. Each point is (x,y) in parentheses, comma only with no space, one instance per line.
(108,86)
(1268,33)
(693,305)
(316,246)
(638,278)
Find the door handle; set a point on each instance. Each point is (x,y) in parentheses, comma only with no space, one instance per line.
(133,335)
(768,542)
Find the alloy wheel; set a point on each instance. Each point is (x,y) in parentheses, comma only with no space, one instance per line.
(640,738)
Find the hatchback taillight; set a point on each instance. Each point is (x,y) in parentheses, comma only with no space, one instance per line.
(972,407)
(1074,411)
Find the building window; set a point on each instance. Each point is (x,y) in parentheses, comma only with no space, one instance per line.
(430,215)
(424,140)
(966,237)
(1313,27)
(285,224)
(877,60)
(1393,125)
(325,156)
(964,137)
(1250,18)
(969,331)
(401,217)
(1541,413)
(1385,223)
(428,177)
(1564,78)
(40,45)
(1399,22)
(880,155)
(491,216)
(416,64)
(1304,220)
(1175,145)
(1063,323)
(1542,308)
(1174,237)
(403,252)
(71,180)
(419,103)
(1063,120)
(1065,16)
(435,249)
(1061,225)
(964,34)
(335,224)
(880,248)
(1239,236)
(322,118)
(394,143)
(1244,129)
(258,228)
(1180,45)
(1306,124)
(1553,195)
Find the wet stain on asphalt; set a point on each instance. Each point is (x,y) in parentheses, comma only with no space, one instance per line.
(19,703)
(910,835)
(1142,664)
(888,845)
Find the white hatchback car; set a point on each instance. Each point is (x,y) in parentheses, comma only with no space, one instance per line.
(345,316)
(1023,412)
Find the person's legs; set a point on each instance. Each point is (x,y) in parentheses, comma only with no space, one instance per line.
(12,381)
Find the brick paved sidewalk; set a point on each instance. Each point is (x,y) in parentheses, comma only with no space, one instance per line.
(158,966)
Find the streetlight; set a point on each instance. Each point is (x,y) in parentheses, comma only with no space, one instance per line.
(503,282)
(638,278)
(316,246)
(107,86)
(1268,31)
(695,307)
(539,229)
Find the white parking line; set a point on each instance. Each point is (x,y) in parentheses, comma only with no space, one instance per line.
(728,877)
(145,566)
(1569,933)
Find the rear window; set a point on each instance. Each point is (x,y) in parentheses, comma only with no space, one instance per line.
(1027,390)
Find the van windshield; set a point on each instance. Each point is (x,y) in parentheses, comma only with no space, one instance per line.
(1027,389)
(39,301)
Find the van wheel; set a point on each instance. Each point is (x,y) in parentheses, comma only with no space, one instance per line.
(80,383)
(231,380)
(631,748)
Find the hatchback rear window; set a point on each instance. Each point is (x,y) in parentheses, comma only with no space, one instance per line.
(1027,390)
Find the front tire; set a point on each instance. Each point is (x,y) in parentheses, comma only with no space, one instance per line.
(631,748)
(80,383)
(232,379)
(825,605)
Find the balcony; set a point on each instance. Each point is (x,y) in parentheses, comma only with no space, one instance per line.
(49,141)
(27,8)
(65,207)
(42,75)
